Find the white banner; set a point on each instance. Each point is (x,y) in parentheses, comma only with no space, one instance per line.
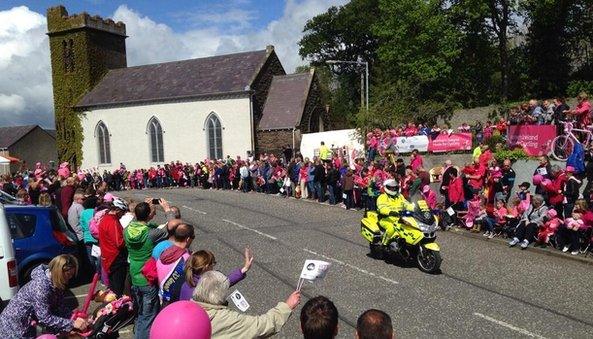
(408,144)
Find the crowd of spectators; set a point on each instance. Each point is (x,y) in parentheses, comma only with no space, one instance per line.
(153,263)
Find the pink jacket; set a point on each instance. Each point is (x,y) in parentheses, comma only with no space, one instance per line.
(431,199)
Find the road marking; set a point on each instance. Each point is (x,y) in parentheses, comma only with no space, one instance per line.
(193,209)
(363,271)
(509,326)
(250,229)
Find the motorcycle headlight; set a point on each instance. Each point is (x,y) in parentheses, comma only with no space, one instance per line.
(427,228)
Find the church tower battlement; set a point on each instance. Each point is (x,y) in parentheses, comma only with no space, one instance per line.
(83,48)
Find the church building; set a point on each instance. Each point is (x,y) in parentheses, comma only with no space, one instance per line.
(226,105)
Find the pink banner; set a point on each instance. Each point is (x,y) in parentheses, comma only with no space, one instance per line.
(451,142)
(535,139)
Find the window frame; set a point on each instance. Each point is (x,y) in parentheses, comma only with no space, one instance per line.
(159,157)
(103,143)
(216,150)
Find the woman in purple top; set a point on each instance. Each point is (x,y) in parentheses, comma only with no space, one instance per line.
(203,261)
(41,302)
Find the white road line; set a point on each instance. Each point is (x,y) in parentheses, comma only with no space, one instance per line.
(509,326)
(363,271)
(193,209)
(250,229)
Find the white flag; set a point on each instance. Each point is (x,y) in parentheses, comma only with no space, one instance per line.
(239,300)
(314,270)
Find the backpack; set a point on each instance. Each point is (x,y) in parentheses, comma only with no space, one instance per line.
(94,223)
(577,158)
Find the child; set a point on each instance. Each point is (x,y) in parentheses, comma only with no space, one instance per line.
(473,211)
(548,229)
(500,213)
(430,196)
(524,197)
(514,211)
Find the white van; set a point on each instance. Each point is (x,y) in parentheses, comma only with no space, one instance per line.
(9,283)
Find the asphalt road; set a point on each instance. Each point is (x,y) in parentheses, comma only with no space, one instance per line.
(485,289)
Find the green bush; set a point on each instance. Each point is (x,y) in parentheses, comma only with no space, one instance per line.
(494,140)
(578,86)
(512,154)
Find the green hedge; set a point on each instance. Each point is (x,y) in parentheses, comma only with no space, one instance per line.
(578,86)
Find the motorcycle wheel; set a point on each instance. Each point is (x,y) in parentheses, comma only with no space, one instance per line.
(376,251)
(428,261)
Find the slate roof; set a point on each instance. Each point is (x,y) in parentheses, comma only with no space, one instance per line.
(286,101)
(222,74)
(11,134)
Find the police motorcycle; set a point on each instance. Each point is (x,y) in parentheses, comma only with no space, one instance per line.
(413,239)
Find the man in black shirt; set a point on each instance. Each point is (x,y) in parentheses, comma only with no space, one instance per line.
(559,116)
(319,180)
(508,178)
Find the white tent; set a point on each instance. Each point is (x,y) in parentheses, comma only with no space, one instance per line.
(4,165)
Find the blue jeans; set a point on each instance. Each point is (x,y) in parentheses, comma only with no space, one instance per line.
(147,303)
(94,261)
(331,188)
(311,189)
(319,191)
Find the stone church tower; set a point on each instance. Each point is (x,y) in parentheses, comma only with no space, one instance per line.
(83,48)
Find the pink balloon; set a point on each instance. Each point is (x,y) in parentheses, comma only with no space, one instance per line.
(181,320)
(47,336)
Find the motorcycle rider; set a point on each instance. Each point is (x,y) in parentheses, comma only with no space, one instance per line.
(389,205)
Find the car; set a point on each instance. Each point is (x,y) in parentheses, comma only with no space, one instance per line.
(8,265)
(39,234)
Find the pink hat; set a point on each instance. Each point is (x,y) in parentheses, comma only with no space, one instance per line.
(570,169)
(552,213)
(537,179)
(426,188)
(108,197)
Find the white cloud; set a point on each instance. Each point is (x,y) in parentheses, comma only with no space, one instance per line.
(12,102)
(25,84)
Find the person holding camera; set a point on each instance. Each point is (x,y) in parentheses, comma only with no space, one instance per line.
(140,237)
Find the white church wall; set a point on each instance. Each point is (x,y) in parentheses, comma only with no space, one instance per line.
(184,133)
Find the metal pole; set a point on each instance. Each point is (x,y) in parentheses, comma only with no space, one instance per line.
(361,91)
(367,83)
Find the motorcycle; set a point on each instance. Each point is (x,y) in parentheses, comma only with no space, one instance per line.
(413,239)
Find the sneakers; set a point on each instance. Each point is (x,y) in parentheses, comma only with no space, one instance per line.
(486,234)
(565,249)
(574,252)
(491,235)
(524,244)
(514,242)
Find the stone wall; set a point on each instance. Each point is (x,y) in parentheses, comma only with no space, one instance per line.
(273,141)
(314,117)
(263,81)
(36,146)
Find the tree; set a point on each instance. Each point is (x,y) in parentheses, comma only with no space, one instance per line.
(500,21)
(547,50)
(400,102)
(418,42)
(342,33)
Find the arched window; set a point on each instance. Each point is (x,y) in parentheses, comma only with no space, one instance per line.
(214,133)
(102,134)
(156,140)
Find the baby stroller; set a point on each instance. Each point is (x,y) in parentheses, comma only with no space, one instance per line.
(112,315)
